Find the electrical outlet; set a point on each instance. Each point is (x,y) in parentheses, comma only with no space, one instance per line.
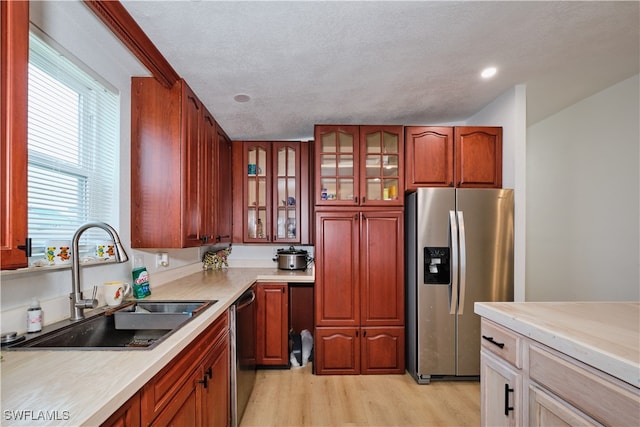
(162,259)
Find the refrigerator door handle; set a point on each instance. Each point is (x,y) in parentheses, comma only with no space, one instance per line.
(463,261)
(453,238)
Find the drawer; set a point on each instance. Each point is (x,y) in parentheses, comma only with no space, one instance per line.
(606,399)
(502,342)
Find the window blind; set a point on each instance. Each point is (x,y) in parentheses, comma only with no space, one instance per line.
(73,138)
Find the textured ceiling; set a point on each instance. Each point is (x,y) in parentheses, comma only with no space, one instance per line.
(387,62)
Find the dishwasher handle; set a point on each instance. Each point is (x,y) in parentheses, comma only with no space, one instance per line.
(246,300)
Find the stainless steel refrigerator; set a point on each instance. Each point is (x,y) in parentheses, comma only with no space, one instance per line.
(459,250)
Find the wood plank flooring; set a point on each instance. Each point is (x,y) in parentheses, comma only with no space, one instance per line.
(296,397)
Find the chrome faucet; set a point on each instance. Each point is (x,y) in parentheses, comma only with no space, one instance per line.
(76,303)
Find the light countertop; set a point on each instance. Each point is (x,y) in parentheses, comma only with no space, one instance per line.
(605,335)
(85,387)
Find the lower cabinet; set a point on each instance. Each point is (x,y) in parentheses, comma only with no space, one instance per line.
(128,415)
(370,350)
(272,335)
(501,400)
(524,382)
(192,390)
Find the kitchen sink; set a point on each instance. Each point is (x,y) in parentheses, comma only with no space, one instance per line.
(132,326)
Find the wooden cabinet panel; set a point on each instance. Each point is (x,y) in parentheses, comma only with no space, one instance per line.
(382,350)
(359,165)
(382,268)
(504,343)
(216,386)
(337,290)
(161,391)
(462,156)
(501,392)
(429,153)
(360,289)
(551,388)
(547,410)
(183,409)
(272,300)
(478,157)
(336,351)
(607,400)
(272,177)
(14,42)
(224,188)
(174,168)
(127,416)
(353,351)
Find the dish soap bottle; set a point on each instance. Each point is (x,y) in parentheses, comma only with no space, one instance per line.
(34,317)
(140,278)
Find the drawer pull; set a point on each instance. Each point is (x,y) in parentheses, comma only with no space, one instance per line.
(507,408)
(492,341)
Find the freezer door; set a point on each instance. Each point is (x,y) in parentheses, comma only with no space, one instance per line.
(436,325)
(488,251)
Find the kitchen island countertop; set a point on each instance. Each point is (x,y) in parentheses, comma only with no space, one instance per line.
(60,387)
(604,335)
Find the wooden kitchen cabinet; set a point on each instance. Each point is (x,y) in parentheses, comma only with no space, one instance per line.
(359,288)
(127,416)
(190,390)
(272,326)
(524,382)
(501,397)
(352,351)
(359,165)
(461,156)
(216,385)
(274,179)
(174,167)
(222,184)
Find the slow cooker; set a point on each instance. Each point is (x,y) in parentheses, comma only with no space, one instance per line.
(292,259)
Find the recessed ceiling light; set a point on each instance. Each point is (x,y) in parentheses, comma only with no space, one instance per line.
(489,72)
(242,98)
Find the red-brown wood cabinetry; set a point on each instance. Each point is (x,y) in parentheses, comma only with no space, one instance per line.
(193,389)
(359,165)
(272,339)
(174,167)
(271,183)
(359,288)
(14,43)
(464,156)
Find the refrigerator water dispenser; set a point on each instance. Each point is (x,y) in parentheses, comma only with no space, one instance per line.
(437,266)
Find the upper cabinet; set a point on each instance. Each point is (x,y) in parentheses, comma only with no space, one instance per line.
(359,165)
(223,186)
(174,167)
(465,156)
(274,202)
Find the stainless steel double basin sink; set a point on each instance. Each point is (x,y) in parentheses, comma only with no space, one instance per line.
(132,326)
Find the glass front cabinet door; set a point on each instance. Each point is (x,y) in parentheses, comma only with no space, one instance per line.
(381,175)
(272,192)
(359,165)
(337,165)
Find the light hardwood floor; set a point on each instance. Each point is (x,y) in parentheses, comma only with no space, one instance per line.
(296,397)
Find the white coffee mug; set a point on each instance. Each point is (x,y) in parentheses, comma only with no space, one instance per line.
(57,252)
(114,292)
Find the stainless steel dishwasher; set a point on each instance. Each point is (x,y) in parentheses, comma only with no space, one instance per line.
(243,353)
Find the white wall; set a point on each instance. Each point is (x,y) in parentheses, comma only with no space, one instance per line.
(509,111)
(583,198)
